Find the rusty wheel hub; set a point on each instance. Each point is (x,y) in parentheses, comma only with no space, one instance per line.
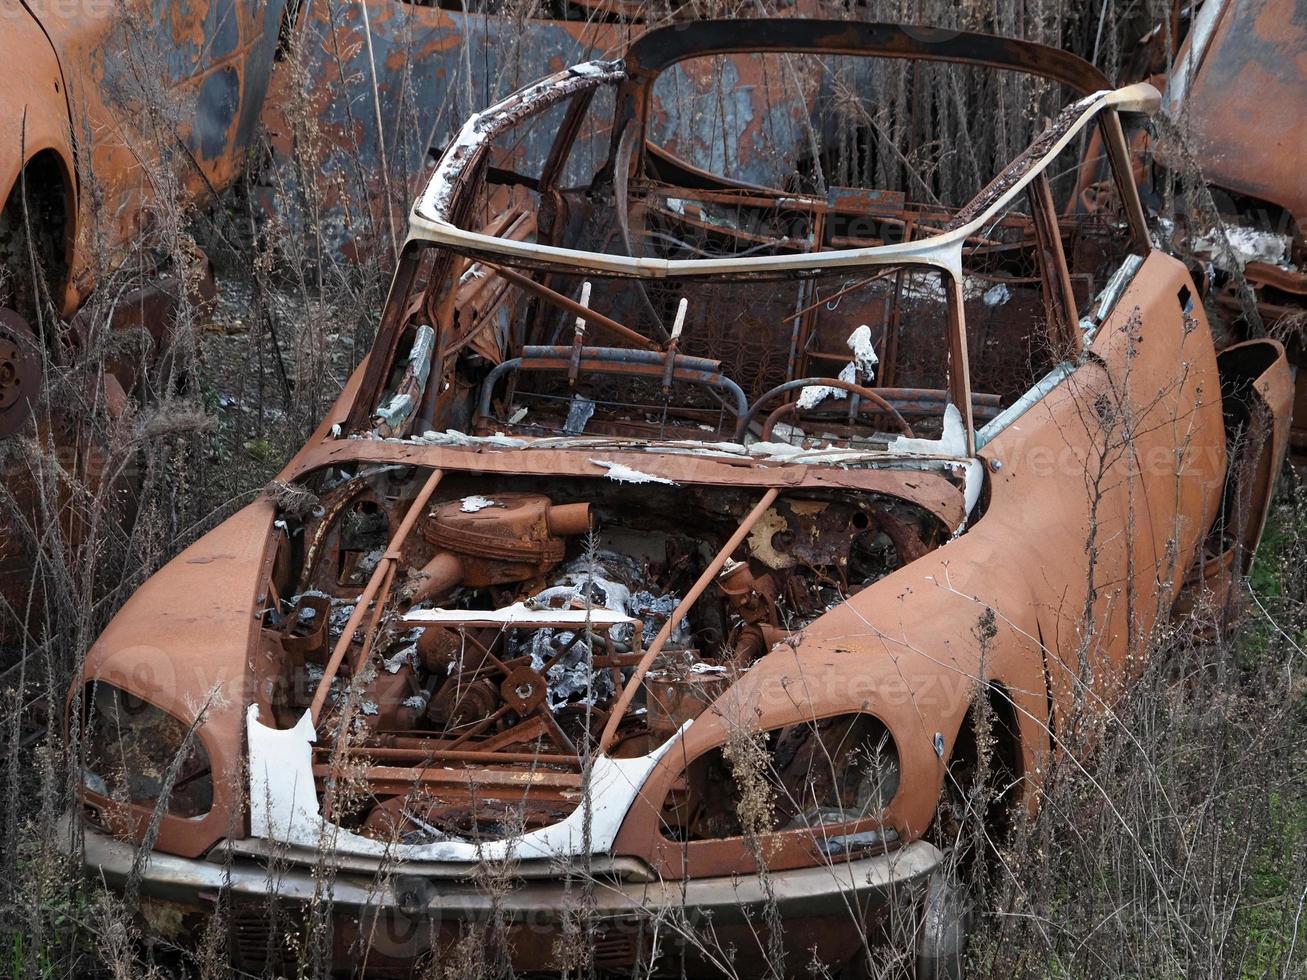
(20,372)
(524,690)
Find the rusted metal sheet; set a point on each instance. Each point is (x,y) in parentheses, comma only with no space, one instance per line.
(1238,88)
(1240,85)
(134,80)
(375,90)
(544,581)
(119,109)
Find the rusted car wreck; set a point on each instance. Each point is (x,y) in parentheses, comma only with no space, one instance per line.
(85,165)
(670,534)
(1240,91)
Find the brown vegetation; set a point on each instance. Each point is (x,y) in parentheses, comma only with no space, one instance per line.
(1179,850)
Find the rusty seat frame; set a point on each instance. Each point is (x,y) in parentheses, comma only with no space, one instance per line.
(617,361)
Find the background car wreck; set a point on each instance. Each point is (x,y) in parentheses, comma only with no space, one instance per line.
(540,537)
(89,162)
(1246,146)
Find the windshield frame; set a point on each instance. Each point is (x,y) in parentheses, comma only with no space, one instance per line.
(433,220)
(432,216)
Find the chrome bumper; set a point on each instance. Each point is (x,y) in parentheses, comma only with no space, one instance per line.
(538,904)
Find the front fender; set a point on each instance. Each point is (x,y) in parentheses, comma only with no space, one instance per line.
(907,650)
(182,643)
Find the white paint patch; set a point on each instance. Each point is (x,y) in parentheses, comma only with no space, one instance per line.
(284,805)
(864,352)
(518,614)
(813,395)
(952,441)
(452,437)
(474,503)
(997,295)
(406,655)
(621,473)
(973,481)
(861,369)
(1245,245)
(397,410)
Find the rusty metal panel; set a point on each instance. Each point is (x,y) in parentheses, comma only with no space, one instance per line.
(140,74)
(1246,104)
(375,90)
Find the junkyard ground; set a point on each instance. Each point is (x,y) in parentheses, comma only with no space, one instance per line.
(1180,850)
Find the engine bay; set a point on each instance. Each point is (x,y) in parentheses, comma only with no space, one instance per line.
(513,613)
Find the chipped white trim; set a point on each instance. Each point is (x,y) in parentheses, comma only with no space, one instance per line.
(1042,387)
(429,220)
(951,442)
(973,482)
(284,805)
(621,473)
(1116,286)
(518,614)
(395,412)
(439,194)
(773,452)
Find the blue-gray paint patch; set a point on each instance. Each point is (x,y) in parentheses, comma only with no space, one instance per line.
(258,69)
(180,59)
(215,108)
(222,29)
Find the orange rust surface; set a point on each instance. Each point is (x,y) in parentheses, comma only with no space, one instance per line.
(104,73)
(1096,502)
(1247,103)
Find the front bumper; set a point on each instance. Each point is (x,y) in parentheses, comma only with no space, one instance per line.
(403,914)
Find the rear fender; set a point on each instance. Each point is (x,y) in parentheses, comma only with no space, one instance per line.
(1257,389)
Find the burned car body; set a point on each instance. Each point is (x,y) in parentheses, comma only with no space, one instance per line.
(674,527)
(87,128)
(1245,147)
(121,110)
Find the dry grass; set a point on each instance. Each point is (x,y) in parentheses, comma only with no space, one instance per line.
(1180,850)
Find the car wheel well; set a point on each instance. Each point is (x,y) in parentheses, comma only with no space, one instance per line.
(984,775)
(35,277)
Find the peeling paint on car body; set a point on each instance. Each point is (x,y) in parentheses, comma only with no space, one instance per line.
(687,571)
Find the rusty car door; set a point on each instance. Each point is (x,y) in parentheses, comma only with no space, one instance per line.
(1123,442)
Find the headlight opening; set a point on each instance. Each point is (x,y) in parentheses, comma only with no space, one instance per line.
(133,749)
(832,772)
